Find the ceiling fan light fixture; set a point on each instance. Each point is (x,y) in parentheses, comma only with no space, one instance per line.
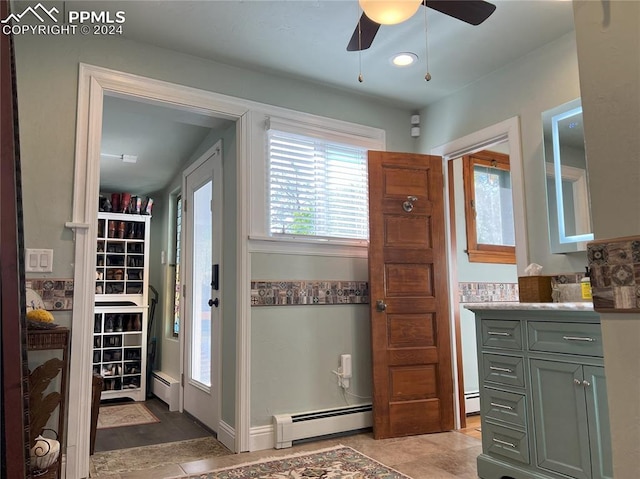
(389,12)
(404,59)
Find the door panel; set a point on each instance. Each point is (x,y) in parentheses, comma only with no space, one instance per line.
(201,325)
(411,350)
(560,417)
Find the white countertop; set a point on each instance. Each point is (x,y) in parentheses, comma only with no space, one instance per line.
(506,305)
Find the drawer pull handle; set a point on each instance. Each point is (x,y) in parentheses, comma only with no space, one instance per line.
(504,370)
(501,406)
(504,443)
(578,338)
(498,333)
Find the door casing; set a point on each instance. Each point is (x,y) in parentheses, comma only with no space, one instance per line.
(507,130)
(93,84)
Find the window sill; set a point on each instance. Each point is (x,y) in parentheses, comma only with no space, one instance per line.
(309,246)
(496,257)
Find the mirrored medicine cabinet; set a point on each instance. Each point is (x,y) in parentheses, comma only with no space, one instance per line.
(568,206)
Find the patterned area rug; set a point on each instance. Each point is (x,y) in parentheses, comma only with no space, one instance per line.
(340,462)
(148,457)
(124,415)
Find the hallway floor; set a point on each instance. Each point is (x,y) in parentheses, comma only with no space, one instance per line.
(431,456)
(173,426)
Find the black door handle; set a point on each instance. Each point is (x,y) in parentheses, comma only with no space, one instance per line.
(214,302)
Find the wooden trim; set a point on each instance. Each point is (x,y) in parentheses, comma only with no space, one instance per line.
(455,305)
(482,253)
(498,257)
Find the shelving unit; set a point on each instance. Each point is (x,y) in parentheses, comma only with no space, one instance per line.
(120,315)
(122,258)
(119,350)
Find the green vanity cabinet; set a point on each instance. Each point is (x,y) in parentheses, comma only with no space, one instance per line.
(542,392)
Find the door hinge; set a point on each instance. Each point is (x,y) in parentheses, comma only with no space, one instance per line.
(184,290)
(182,379)
(184,205)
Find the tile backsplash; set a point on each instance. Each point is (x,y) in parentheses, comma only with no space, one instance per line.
(479,292)
(297,292)
(615,274)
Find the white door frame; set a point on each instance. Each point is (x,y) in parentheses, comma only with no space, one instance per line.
(507,130)
(187,272)
(94,82)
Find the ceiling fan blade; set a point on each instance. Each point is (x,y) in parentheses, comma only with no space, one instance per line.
(473,12)
(368,30)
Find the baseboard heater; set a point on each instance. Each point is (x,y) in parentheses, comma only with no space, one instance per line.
(472,402)
(166,388)
(293,427)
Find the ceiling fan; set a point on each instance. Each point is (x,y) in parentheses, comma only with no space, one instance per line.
(473,12)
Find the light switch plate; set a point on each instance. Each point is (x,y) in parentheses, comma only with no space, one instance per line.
(39,260)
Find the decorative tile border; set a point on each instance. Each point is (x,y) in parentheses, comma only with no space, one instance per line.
(56,294)
(475,292)
(291,293)
(615,274)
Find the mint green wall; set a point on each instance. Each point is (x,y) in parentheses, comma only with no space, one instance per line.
(229,276)
(538,81)
(295,348)
(47,75)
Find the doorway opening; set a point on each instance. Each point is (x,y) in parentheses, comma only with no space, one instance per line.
(463,330)
(96,86)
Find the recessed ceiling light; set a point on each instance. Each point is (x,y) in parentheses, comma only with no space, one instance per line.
(404,59)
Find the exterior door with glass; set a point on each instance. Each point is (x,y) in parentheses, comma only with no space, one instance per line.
(201,292)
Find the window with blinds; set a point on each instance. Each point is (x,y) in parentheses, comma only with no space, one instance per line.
(316,187)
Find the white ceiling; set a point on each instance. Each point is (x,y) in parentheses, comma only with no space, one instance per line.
(307,39)
(161,138)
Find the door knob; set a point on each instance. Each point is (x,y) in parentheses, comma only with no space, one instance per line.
(381,305)
(214,302)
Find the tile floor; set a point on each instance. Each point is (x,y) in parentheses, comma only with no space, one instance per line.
(173,426)
(432,456)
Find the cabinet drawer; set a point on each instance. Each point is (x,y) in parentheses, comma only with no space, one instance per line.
(506,370)
(570,338)
(504,406)
(501,334)
(504,442)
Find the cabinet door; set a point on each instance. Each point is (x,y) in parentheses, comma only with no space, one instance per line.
(599,430)
(560,418)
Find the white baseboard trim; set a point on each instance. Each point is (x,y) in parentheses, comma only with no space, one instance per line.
(227,436)
(261,438)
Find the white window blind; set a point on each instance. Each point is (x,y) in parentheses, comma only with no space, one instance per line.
(316,187)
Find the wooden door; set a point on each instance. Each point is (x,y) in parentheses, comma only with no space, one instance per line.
(411,344)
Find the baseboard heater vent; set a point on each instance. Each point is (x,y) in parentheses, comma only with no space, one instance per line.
(293,427)
(166,388)
(472,402)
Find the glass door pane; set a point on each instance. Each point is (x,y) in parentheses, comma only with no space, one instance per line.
(201,290)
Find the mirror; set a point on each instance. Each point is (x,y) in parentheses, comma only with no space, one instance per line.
(567,182)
